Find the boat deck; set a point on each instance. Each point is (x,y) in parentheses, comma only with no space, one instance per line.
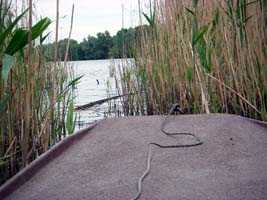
(106,161)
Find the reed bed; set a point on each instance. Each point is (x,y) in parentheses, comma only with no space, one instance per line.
(208,55)
(36,96)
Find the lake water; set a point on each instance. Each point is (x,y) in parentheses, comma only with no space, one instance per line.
(96,84)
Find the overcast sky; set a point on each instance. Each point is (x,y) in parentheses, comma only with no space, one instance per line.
(91,16)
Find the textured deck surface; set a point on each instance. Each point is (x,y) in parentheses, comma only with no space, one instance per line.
(107,162)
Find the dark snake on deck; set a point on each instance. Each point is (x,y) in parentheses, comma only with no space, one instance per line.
(175,109)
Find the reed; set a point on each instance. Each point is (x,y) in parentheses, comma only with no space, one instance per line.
(30,90)
(209,56)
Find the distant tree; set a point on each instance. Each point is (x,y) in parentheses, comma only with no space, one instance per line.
(73,50)
(87,48)
(123,43)
(103,46)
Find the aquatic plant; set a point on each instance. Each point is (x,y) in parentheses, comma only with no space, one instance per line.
(34,94)
(209,56)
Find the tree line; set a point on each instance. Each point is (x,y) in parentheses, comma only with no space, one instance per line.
(101,46)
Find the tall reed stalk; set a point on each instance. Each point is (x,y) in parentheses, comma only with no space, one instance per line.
(209,56)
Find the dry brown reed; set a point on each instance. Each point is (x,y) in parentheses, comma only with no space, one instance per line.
(31,97)
(209,56)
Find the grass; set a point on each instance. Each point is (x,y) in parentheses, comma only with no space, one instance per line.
(36,96)
(209,56)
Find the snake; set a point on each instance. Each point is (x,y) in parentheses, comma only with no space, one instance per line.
(174,109)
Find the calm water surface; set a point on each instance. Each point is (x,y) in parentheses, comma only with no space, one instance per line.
(95,84)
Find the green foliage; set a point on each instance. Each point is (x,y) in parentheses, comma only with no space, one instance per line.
(199,43)
(3,102)
(103,46)
(21,36)
(18,41)
(43,38)
(70,122)
(210,57)
(34,110)
(237,13)
(8,62)
(195,3)
(6,33)
(74,82)
(150,19)
(123,43)
(189,74)
(198,35)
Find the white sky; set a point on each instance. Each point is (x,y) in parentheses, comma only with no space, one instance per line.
(90,17)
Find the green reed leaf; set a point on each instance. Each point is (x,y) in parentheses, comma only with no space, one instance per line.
(199,35)
(70,125)
(8,62)
(21,36)
(9,29)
